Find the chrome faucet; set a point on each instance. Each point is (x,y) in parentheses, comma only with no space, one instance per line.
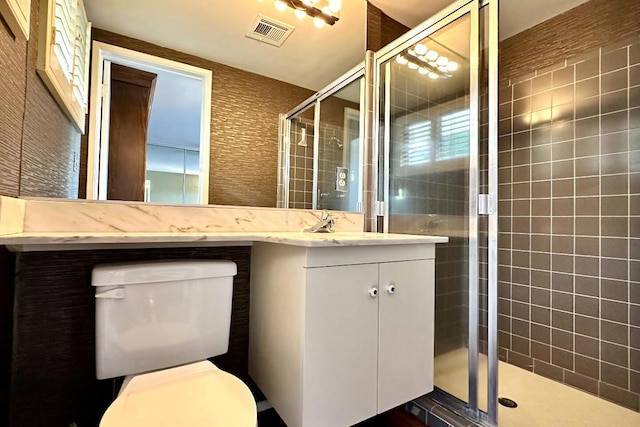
(324,224)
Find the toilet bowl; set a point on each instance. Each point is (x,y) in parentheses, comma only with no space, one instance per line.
(157,323)
(194,395)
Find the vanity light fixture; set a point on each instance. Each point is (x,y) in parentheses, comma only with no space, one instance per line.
(321,11)
(428,62)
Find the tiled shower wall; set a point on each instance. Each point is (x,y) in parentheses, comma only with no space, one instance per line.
(569,244)
(301,166)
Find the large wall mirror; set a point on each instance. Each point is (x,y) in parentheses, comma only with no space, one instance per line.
(165,128)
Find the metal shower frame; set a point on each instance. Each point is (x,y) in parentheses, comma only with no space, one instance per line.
(381,205)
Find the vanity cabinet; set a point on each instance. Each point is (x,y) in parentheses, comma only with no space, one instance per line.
(338,335)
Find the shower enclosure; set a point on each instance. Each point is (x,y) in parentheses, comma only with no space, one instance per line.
(437,167)
(568,186)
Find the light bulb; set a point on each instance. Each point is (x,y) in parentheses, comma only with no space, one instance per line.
(420,49)
(433,64)
(452,66)
(443,60)
(401,60)
(308,2)
(280,5)
(327,11)
(443,69)
(433,76)
(318,22)
(413,66)
(335,5)
(432,55)
(300,14)
(423,71)
(411,52)
(422,58)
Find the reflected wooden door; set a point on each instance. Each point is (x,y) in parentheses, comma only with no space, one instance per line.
(131,99)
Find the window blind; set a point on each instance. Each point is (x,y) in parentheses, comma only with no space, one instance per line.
(65,35)
(418,141)
(63,55)
(454,135)
(81,57)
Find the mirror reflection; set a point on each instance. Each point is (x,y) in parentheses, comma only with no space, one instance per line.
(205,129)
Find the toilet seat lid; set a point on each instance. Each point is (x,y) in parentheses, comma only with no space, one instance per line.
(195,395)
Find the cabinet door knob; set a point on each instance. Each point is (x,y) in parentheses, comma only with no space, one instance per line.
(391,288)
(373,292)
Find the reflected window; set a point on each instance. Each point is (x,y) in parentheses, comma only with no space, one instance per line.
(454,135)
(172,176)
(433,140)
(417,148)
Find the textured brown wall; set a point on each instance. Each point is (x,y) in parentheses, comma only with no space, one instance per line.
(589,26)
(49,140)
(37,141)
(381,28)
(12,96)
(53,379)
(244,125)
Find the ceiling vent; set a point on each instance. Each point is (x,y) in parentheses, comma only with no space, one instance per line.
(270,31)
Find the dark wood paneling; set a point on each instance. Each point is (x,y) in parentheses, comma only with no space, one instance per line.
(49,139)
(53,372)
(12,95)
(7,269)
(131,98)
(584,28)
(244,125)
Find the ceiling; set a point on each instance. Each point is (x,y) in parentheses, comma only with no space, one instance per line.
(310,58)
(215,30)
(515,15)
(176,110)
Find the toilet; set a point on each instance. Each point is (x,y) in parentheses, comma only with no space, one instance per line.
(157,323)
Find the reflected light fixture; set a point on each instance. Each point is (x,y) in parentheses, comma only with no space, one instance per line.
(321,11)
(442,61)
(420,49)
(428,62)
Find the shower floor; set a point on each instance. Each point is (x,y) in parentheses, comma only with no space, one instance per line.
(541,401)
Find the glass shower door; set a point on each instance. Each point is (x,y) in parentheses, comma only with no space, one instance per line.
(428,109)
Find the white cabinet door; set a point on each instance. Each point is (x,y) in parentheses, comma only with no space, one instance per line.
(340,346)
(405,367)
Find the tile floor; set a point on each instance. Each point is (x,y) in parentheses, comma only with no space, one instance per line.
(541,401)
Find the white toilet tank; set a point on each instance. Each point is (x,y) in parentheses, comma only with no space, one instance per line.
(155,315)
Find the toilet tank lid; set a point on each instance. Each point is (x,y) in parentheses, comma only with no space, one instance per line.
(160,271)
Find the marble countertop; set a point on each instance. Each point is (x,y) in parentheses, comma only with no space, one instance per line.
(33,241)
(54,224)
